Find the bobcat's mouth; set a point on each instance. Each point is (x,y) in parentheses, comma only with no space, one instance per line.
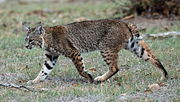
(29,47)
(33,44)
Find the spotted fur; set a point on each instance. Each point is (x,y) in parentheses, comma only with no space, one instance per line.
(108,36)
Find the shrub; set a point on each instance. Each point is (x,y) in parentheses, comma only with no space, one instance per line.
(148,8)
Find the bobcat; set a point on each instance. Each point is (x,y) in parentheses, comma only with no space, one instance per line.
(106,35)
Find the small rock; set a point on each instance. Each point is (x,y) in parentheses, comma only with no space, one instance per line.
(154,87)
(44,89)
(162,84)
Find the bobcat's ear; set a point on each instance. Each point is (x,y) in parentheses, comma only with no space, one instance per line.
(40,29)
(26,28)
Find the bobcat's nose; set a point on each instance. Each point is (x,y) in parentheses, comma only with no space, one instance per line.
(26,46)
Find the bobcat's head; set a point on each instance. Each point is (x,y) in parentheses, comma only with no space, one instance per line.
(34,36)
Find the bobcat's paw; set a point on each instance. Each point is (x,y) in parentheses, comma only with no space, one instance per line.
(99,79)
(33,81)
(30,82)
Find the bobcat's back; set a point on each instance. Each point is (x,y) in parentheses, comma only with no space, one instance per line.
(92,35)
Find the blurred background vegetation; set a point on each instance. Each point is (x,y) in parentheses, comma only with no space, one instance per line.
(149,8)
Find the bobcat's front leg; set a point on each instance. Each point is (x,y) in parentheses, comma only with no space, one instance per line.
(49,63)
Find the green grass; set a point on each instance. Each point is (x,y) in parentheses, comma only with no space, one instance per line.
(16,60)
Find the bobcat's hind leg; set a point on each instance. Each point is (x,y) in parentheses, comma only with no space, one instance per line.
(49,63)
(140,48)
(78,62)
(110,57)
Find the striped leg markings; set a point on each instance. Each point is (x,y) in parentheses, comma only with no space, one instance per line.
(78,62)
(140,48)
(110,58)
(49,63)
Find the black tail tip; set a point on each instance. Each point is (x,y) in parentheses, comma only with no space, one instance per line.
(162,68)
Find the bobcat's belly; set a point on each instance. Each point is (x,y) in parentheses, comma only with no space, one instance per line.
(84,48)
